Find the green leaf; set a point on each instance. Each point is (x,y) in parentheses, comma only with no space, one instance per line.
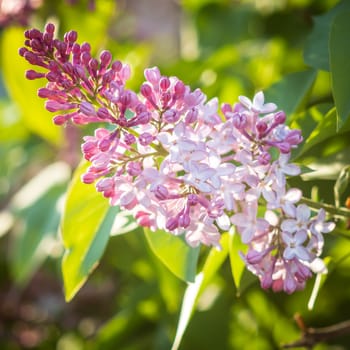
(188,305)
(237,264)
(316,127)
(86,225)
(32,245)
(339,53)
(92,26)
(341,184)
(23,91)
(291,91)
(123,223)
(319,282)
(175,253)
(35,206)
(194,290)
(214,260)
(316,52)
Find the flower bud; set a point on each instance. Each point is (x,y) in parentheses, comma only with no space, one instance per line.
(50,28)
(294,137)
(87,109)
(146,91)
(171,116)
(117,66)
(192,199)
(184,220)
(134,168)
(179,89)
(72,36)
(239,121)
(103,113)
(68,68)
(264,158)
(59,120)
(191,116)
(129,139)
(161,192)
(105,58)
(85,47)
(172,224)
(164,83)
(145,139)
(88,178)
(152,75)
(284,147)
(261,127)
(32,74)
(280,117)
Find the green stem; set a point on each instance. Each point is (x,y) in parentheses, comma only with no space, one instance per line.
(331,209)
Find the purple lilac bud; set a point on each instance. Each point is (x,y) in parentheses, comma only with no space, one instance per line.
(184,220)
(280,118)
(87,109)
(161,192)
(129,139)
(134,168)
(164,83)
(239,121)
(153,75)
(145,139)
(103,113)
(179,90)
(191,116)
(172,224)
(171,116)
(32,74)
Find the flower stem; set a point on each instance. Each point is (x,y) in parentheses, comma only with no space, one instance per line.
(331,209)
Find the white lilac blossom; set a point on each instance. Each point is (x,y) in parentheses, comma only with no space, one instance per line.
(178,164)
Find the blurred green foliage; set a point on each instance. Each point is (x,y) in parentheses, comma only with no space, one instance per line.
(132,301)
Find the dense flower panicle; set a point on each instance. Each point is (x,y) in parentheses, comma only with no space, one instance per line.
(168,156)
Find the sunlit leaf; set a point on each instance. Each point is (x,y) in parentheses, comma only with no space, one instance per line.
(323,171)
(319,282)
(339,53)
(86,226)
(237,264)
(188,305)
(93,24)
(32,245)
(341,184)
(194,290)
(291,91)
(315,126)
(36,208)
(23,91)
(175,253)
(123,223)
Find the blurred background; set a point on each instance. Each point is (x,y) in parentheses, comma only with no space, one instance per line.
(131,302)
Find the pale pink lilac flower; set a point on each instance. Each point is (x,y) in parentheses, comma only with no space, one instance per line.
(248,223)
(257,105)
(295,245)
(300,222)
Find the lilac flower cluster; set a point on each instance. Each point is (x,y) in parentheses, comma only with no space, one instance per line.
(168,156)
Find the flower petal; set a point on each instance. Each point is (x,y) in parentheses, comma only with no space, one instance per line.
(289,225)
